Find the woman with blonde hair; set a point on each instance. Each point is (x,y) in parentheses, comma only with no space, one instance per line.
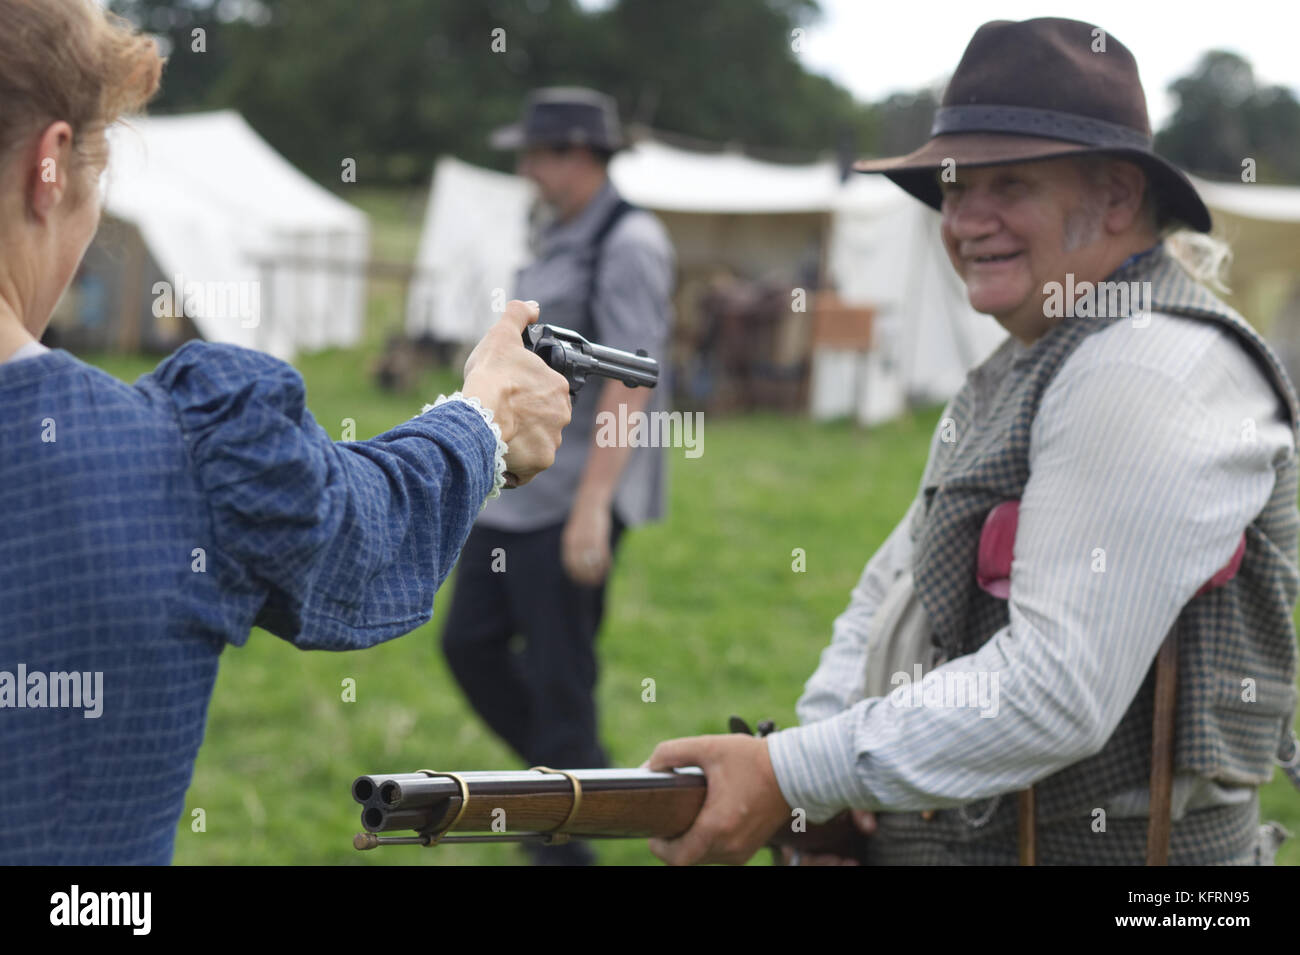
(146,527)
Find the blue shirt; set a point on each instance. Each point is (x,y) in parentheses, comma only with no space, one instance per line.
(143,528)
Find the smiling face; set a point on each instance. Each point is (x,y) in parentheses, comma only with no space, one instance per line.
(1011,229)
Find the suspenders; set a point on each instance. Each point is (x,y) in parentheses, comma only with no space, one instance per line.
(1160,823)
(621,208)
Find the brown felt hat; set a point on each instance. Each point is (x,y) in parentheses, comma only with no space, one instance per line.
(1039,89)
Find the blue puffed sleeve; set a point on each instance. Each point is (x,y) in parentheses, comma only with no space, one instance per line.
(347,541)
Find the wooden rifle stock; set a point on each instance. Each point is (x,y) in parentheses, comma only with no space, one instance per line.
(531,805)
(550,806)
(540,806)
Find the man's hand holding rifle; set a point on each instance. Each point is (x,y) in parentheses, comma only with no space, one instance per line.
(744,810)
(700,799)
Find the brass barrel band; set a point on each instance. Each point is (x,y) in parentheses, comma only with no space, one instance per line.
(577,793)
(435,838)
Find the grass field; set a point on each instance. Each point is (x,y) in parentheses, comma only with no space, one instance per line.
(706,604)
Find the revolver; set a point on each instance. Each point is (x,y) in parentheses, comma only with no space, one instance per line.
(575,358)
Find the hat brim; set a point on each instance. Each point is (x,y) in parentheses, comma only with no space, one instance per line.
(916,172)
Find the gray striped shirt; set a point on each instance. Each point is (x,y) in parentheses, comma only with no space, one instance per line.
(1174,413)
(632,309)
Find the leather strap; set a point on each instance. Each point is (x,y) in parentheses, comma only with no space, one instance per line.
(620,209)
(1162,752)
(1160,824)
(1028,830)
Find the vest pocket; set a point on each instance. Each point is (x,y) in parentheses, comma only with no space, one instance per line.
(1250,718)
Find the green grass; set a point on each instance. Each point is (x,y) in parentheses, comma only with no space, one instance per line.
(706,604)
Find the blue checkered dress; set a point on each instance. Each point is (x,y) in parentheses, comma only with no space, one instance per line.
(146,527)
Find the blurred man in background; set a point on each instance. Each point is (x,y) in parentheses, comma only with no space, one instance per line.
(537,561)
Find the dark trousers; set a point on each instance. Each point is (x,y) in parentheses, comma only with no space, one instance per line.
(538,694)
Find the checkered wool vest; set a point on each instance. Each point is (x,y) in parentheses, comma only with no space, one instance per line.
(1243,629)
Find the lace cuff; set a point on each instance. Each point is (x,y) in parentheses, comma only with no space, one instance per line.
(486,413)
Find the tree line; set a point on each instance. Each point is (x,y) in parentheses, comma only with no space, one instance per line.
(394,84)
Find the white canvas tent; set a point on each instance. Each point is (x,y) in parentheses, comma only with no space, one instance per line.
(474,239)
(754,217)
(665,179)
(223,214)
(1262,224)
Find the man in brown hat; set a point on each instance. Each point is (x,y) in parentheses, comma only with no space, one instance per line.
(1147,436)
(535,565)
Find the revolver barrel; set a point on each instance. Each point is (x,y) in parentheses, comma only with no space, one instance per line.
(576,358)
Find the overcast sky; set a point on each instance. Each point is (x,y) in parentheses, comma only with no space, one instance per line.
(876,47)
